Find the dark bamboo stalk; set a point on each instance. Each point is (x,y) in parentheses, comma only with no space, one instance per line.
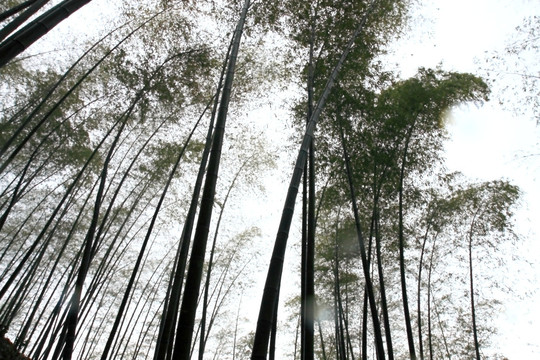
(266,313)
(193,279)
(69,191)
(71,321)
(205,332)
(471,288)
(273,334)
(36,127)
(401,235)
(135,271)
(32,8)
(384,304)
(15,9)
(22,39)
(165,337)
(418,292)
(365,265)
(52,272)
(338,309)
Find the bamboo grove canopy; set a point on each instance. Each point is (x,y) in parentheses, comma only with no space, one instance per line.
(127,162)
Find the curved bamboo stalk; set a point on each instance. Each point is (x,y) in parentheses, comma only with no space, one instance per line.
(127,292)
(193,280)
(26,36)
(15,9)
(266,312)
(365,265)
(33,7)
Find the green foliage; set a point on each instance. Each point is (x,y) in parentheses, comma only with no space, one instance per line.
(489,206)
(158,82)
(459,220)
(430,94)
(409,112)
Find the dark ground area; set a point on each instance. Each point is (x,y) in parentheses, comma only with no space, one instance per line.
(8,351)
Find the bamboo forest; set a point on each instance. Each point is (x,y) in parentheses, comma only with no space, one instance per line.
(256,179)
